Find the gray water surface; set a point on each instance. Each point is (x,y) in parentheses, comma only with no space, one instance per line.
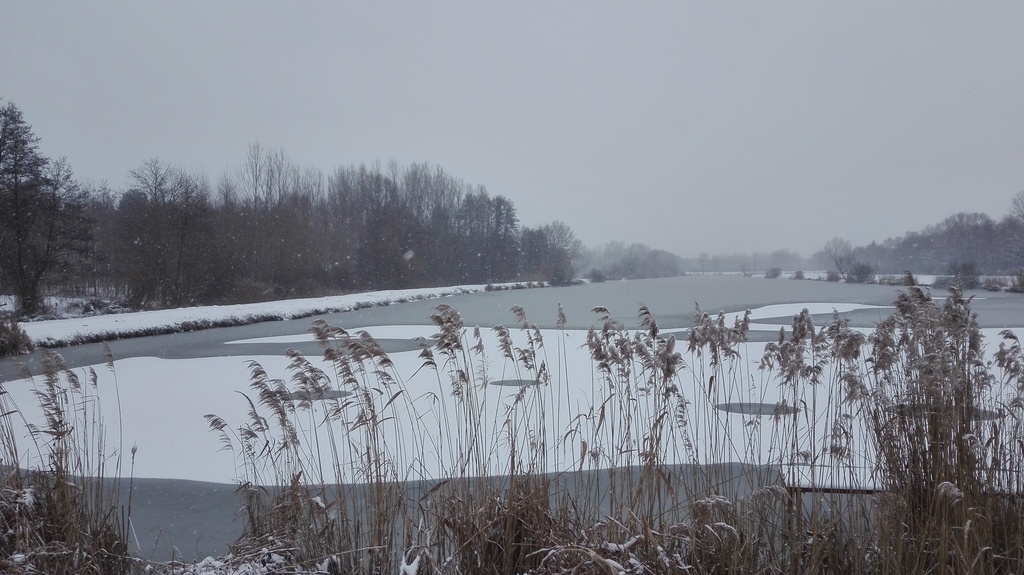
(671,300)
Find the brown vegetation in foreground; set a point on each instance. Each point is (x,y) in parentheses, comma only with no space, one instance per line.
(917,399)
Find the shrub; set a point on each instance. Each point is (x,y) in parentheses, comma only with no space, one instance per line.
(64,516)
(861,273)
(964,274)
(1016,282)
(798,275)
(832,276)
(13,339)
(995,283)
(596,276)
(905,279)
(773,273)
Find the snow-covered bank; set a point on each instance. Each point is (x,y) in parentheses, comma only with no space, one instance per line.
(61,332)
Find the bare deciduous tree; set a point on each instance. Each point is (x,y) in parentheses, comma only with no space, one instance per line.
(840,252)
(1017,206)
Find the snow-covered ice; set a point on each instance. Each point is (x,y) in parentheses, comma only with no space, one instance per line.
(159,405)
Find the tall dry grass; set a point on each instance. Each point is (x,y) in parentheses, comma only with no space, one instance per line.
(60,510)
(947,425)
(892,452)
(831,451)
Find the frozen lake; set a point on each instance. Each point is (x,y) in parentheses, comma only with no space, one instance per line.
(167,383)
(671,300)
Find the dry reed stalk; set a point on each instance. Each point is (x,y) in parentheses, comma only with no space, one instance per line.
(648,487)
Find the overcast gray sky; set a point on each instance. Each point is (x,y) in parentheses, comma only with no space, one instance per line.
(715,127)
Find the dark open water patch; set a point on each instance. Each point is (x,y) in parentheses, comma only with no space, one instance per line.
(747,408)
(314,349)
(513,382)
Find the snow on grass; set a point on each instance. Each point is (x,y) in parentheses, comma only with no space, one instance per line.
(56,333)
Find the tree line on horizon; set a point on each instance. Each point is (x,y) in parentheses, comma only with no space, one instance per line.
(965,245)
(271,230)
